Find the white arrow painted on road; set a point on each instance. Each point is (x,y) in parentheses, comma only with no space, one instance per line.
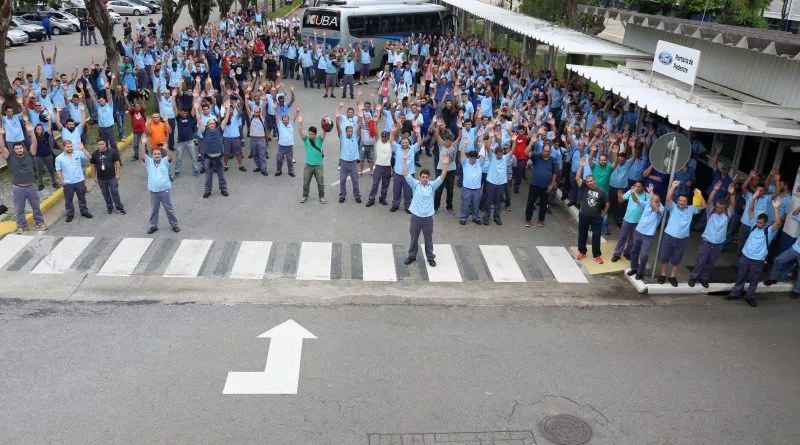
(282,373)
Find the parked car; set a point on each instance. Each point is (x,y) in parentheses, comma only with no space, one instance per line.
(67,17)
(16,37)
(33,30)
(146,4)
(115,17)
(57,27)
(123,7)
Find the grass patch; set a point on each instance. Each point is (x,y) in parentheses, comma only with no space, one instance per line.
(283,10)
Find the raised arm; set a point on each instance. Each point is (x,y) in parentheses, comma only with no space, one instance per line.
(751,209)
(671,191)
(777,220)
(3,149)
(579,173)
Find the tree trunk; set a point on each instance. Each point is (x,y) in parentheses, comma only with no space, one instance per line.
(273,6)
(200,11)
(169,16)
(224,6)
(103,22)
(5,21)
(244,4)
(784,14)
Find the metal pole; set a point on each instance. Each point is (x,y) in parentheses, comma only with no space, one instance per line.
(663,217)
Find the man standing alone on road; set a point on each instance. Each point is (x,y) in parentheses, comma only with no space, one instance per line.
(21,162)
(159,184)
(314,159)
(105,169)
(422,208)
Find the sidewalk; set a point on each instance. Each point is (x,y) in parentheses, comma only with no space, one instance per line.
(723,276)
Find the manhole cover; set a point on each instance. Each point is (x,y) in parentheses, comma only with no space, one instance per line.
(564,429)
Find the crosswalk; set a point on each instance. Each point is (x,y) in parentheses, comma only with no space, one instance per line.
(307,261)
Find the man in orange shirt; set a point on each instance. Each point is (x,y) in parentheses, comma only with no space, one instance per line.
(157,131)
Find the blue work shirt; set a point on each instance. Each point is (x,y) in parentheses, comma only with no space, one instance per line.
(74,135)
(471,174)
(422,196)
(619,177)
(71,167)
(722,193)
(234,124)
(105,115)
(165,107)
(398,158)
(497,173)
(763,205)
(756,246)
(286,134)
(648,223)
(13,128)
(157,174)
(634,212)
(717,227)
(679,220)
(348,147)
(349,67)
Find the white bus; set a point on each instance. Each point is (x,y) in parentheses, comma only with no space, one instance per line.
(382,21)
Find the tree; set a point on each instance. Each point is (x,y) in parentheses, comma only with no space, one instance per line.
(169,16)
(563,12)
(5,22)
(243,4)
(224,6)
(200,11)
(103,22)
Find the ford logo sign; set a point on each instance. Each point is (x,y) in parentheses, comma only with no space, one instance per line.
(665,58)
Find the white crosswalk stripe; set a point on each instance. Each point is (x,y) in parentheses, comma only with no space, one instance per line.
(562,264)
(446,270)
(315,261)
(188,259)
(251,261)
(126,257)
(11,245)
(502,265)
(63,255)
(378,262)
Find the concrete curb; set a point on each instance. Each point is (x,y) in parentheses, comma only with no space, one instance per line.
(684,289)
(7,227)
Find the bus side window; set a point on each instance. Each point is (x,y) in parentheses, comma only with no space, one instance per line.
(371,25)
(357,28)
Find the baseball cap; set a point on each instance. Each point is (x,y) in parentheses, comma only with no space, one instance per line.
(385,133)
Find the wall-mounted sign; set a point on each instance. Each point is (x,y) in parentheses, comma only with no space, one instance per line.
(676,61)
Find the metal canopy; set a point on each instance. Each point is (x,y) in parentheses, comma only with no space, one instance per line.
(566,40)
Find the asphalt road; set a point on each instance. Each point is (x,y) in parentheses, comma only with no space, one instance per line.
(118,373)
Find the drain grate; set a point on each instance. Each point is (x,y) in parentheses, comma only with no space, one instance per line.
(564,429)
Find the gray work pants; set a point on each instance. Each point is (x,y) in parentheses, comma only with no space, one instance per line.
(157,199)
(30,195)
(424,225)
(110,190)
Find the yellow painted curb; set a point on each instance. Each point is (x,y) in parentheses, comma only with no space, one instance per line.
(7,227)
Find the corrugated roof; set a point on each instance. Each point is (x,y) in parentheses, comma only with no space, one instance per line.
(767,41)
(677,111)
(565,39)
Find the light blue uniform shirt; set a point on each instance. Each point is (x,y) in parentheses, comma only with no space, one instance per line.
(497,173)
(234,124)
(349,67)
(756,245)
(634,212)
(619,177)
(422,196)
(74,112)
(286,134)
(165,108)
(398,158)
(71,167)
(74,135)
(648,223)
(13,128)
(796,245)
(471,174)
(348,147)
(105,115)
(763,205)
(679,220)
(157,174)
(717,227)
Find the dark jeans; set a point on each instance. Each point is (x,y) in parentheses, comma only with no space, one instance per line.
(348,168)
(640,251)
(119,122)
(42,164)
(536,193)
(110,190)
(517,173)
(382,176)
(494,196)
(401,187)
(706,257)
(625,240)
(210,164)
(107,134)
(424,225)
(79,188)
(449,183)
(584,223)
(748,271)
